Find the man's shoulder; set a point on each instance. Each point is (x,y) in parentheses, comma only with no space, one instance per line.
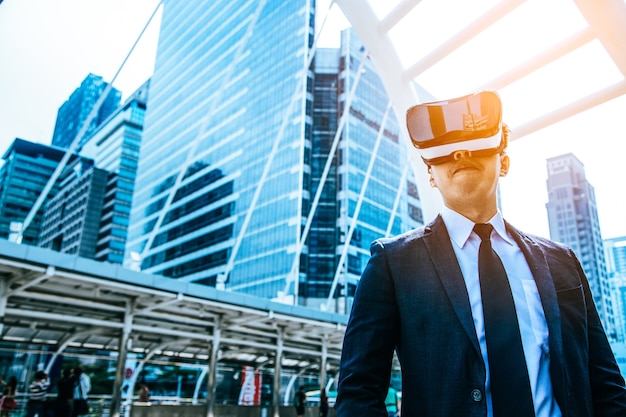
(411,236)
(402,239)
(544,243)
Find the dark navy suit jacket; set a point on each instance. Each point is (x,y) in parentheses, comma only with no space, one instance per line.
(412,298)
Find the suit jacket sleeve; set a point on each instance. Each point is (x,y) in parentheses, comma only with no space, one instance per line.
(371,336)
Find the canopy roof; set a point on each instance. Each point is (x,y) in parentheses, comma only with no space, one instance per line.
(62,302)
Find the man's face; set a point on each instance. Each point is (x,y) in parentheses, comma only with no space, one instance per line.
(469,180)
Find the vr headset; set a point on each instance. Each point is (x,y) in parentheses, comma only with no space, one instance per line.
(466,126)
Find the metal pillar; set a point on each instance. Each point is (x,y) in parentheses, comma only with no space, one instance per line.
(277,372)
(116,396)
(217,331)
(4,295)
(323,363)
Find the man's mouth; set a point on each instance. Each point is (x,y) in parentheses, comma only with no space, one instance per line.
(464,166)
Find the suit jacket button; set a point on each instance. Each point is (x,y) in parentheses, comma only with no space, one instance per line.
(477,395)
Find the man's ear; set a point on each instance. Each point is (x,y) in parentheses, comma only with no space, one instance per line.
(505,164)
(431,179)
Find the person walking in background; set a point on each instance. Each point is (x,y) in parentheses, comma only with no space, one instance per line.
(299,401)
(65,394)
(8,401)
(144,392)
(82,386)
(323,403)
(38,390)
(486,320)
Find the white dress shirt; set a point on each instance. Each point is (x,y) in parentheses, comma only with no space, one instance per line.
(532,321)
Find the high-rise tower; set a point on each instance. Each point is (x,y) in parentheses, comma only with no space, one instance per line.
(114,147)
(75,111)
(26,170)
(573,220)
(237,136)
(615,251)
(373,192)
(89,215)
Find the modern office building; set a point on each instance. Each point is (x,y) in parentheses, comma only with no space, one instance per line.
(573,220)
(235,144)
(72,217)
(114,148)
(89,214)
(615,251)
(371,192)
(26,170)
(78,107)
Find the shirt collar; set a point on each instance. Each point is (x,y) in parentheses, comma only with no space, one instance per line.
(460,227)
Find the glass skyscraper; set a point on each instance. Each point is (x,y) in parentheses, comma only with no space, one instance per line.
(573,220)
(26,170)
(114,147)
(615,251)
(89,216)
(373,192)
(238,130)
(71,218)
(76,110)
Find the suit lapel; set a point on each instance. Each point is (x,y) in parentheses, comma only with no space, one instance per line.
(547,292)
(445,263)
(545,284)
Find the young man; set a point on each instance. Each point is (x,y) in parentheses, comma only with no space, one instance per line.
(486,320)
(37,391)
(299,402)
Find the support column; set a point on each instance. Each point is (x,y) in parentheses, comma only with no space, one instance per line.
(211,377)
(323,363)
(277,371)
(125,341)
(4,295)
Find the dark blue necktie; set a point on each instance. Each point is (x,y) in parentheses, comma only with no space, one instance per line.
(510,387)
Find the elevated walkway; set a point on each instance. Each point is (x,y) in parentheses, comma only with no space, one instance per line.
(62,304)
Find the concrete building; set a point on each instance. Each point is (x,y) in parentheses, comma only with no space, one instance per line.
(573,220)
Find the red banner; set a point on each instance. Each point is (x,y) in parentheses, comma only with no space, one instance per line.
(250,393)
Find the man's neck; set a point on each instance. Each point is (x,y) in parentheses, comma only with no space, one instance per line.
(476,214)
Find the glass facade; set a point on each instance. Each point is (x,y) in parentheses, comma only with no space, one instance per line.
(376,192)
(114,147)
(320,260)
(573,220)
(227,75)
(615,249)
(73,114)
(71,219)
(238,131)
(26,170)
(615,252)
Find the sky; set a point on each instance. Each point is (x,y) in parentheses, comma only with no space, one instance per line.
(49,47)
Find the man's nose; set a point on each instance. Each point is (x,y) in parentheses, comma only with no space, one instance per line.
(462,154)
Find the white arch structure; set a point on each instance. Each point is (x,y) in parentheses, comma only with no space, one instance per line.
(379,31)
